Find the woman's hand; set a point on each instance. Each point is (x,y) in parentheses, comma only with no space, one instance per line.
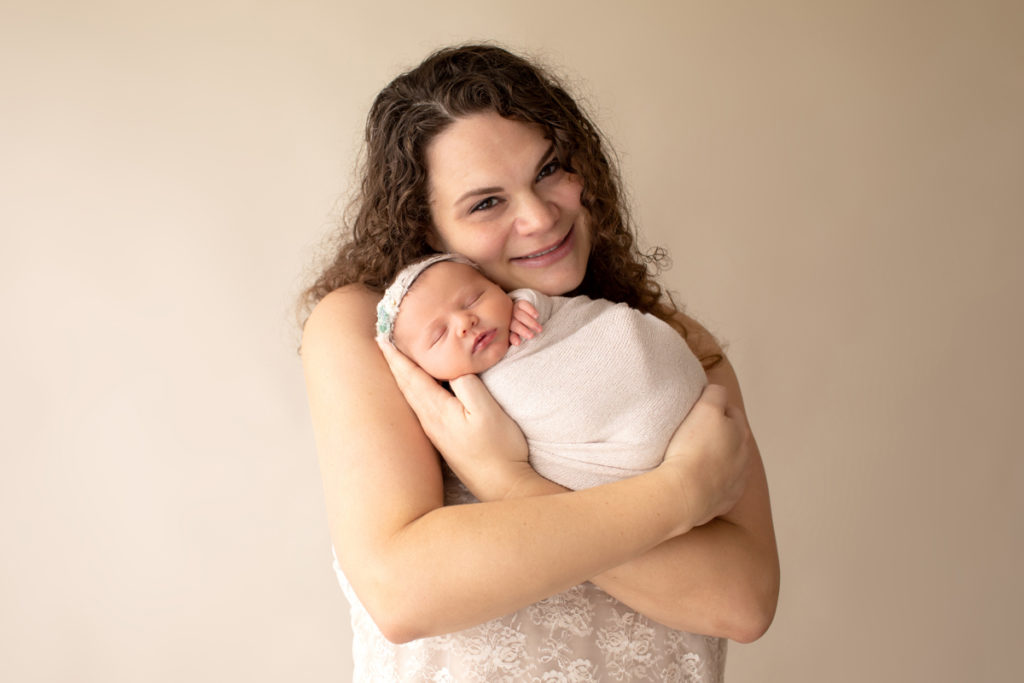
(483,446)
(708,451)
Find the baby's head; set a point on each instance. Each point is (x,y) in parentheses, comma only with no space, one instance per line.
(453,320)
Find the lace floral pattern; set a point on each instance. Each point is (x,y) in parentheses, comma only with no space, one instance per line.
(582,635)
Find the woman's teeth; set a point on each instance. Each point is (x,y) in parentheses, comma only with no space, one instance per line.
(541,253)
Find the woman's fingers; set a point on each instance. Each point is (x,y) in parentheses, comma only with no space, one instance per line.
(426,397)
(472,394)
(496,448)
(709,446)
(714,395)
(482,444)
(717,396)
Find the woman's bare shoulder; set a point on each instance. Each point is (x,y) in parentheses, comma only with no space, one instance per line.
(347,310)
(343,364)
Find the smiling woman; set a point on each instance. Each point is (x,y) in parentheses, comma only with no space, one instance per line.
(525,225)
(479,152)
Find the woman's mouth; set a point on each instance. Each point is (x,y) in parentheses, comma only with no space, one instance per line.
(484,340)
(548,255)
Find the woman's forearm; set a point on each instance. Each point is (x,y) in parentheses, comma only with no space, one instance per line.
(719,579)
(457,566)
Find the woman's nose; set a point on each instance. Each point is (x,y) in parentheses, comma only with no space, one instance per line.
(535,214)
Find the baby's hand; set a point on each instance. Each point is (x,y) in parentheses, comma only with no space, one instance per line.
(524,323)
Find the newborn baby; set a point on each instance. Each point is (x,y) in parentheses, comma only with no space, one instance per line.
(598,388)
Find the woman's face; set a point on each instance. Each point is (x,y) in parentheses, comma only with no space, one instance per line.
(499,196)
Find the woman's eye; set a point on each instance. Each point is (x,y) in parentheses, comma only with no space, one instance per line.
(485,204)
(549,168)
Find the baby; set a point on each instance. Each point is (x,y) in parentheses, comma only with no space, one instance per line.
(455,322)
(598,388)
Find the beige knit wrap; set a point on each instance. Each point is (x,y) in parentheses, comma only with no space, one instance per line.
(599,392)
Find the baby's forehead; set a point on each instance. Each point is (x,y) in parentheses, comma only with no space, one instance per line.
(454,269)
(437,286)
(446,277)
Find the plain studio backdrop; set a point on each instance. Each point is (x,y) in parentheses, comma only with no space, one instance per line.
(840,186)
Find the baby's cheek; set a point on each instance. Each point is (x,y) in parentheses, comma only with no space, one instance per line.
(445,371)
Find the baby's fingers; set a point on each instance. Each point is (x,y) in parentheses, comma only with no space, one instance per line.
(524,324)
(518,333)
(524,312)
(525,306)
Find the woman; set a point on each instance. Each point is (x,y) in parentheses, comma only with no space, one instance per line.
(479,152)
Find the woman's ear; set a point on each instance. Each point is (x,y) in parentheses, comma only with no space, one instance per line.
(433,240)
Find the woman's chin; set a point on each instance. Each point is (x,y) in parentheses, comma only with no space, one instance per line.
(554,281)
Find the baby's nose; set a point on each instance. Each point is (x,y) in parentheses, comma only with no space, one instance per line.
(467,322)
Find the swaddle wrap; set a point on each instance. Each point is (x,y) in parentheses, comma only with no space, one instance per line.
(599,392)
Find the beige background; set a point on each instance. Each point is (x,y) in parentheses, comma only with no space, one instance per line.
(841,185)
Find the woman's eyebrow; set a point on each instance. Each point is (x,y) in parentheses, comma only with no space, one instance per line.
(473,193)
(544,159)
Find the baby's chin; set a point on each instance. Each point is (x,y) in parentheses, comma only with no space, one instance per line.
(495,353)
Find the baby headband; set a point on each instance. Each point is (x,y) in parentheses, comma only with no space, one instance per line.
(387,309)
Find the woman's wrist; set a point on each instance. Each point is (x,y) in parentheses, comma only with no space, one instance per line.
(528,484)
(668,481)
(499,480)
(519,480)
(677,482)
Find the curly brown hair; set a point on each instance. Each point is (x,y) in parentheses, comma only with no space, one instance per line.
(389,223)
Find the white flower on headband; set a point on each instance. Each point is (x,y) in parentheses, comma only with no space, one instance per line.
(387,307)
(387,311)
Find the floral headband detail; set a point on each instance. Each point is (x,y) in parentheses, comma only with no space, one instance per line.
(387,309)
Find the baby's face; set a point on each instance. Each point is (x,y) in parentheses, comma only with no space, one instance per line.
(453,321)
